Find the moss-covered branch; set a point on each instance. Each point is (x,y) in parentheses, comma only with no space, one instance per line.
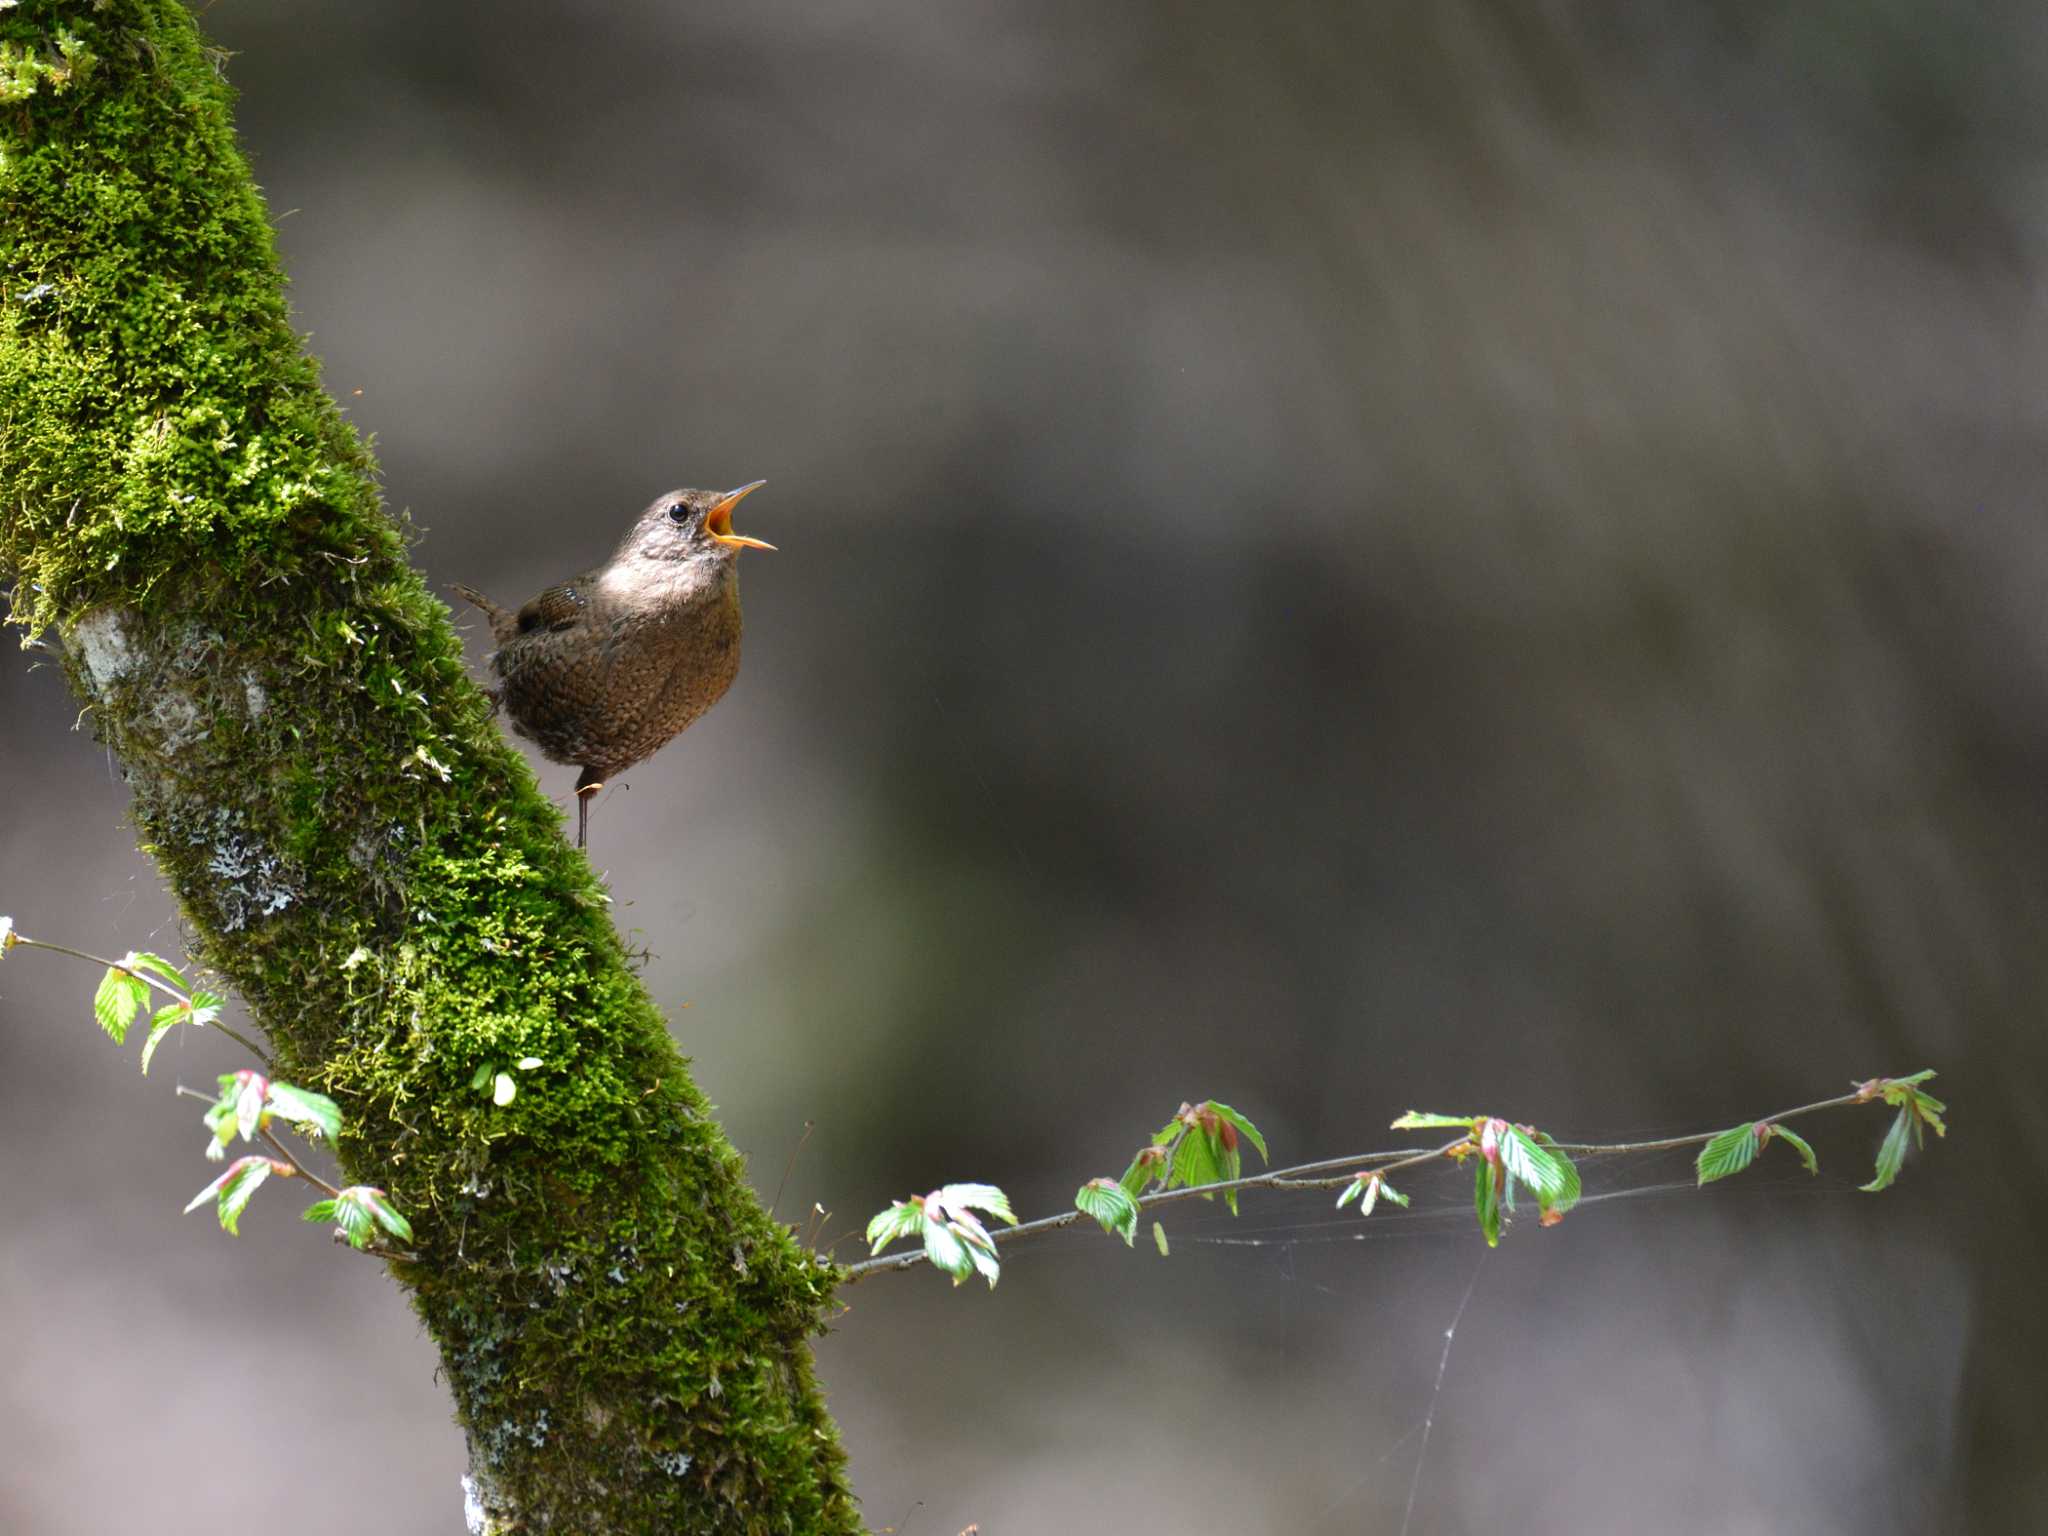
(355,847)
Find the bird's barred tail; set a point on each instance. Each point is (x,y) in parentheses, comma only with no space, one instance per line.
(500,619)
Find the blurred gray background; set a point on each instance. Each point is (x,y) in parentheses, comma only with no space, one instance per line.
(1335,556)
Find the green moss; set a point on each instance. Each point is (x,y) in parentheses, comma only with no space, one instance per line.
(360,853)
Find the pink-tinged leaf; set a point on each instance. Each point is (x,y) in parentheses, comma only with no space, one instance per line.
(303,1108)
(1241,1126)
(250,1091)
(387,1215)
(234,1188)
(986,1197)
(943,1246)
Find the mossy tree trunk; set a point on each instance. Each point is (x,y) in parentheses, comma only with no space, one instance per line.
(625,1331)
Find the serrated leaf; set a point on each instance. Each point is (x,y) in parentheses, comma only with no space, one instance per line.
(235,1198)
(1486,1199)
(121,996)
(250,1093)
(947,1250)
(980,1197)
(1373,1188)
(1194,1162)
(1727,1152)
(1534,1165)
(1245,1128)
(1159,1238)
(1423,1120)
(1929,1109)
(986,1264)
(1149,1164)
(1798,1144)
(1110,1204)
(1891,1154)
(386,1214)
(319,1210)
(155,965)
(213,1188)
(353,1220)
(206,1007)
(1568,1195)
(303,1107)
(902,1219)
(232,1190)
(1168,1131)
(162,1022)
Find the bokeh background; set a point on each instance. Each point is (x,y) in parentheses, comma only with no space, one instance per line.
(1339,557)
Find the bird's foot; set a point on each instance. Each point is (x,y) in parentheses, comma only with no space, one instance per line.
(587,787)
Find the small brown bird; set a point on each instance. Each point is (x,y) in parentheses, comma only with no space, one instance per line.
(605,670)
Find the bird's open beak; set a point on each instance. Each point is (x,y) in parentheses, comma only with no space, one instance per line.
(718,522)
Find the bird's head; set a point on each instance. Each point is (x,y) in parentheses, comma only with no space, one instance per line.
(692,525)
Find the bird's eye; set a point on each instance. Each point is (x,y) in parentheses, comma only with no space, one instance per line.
(679,513)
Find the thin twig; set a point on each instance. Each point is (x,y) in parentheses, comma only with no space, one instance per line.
(293,1158)
(155,983)
(1325,1174)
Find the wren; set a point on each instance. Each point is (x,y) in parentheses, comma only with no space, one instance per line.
(604,670)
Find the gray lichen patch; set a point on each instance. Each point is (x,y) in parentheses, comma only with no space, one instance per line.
(102,642)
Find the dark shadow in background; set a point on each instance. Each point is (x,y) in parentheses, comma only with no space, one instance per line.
(1335,557)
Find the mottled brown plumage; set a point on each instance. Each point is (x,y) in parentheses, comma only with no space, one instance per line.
(604,670)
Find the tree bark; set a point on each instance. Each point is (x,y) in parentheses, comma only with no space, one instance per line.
(355,846)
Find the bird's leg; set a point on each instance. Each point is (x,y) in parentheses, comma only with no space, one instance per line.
(587,787)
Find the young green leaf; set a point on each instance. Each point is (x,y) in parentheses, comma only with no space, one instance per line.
(234,1188)
(1729,1152)
(353,1220)
(1568,1194)
(1422,1120)
(155,965)
(1243,1126)
(385,1212)
(1486,1190)
(981,1197)
(1195,1162)
(206,1007)
(251,1089)
(1372,1187)
(1110,1204)
(358,1211)
(121,996)
(1798,1144)
(1536,1166)
(1891,1155)
(315,1111)
(161,1023)
(1147,1167)
(902,1219)
(947,1249)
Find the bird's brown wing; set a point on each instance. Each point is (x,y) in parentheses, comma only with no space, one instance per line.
(560,607)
